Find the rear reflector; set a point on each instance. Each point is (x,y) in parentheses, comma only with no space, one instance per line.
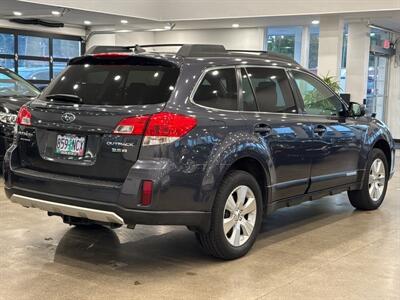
(160,128)
(24,116)
(147,192)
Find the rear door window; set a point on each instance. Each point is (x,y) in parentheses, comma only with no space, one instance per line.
(218,89)
(116,83)
(272,89)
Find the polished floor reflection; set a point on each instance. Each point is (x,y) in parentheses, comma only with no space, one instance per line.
(319,250)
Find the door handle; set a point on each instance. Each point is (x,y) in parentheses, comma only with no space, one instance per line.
(262,129)
(320,130)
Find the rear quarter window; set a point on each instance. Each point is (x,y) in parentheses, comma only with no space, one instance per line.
(218,89)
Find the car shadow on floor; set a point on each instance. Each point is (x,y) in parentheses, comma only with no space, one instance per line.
(100,247)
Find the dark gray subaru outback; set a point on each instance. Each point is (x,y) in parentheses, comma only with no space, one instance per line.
(206,137)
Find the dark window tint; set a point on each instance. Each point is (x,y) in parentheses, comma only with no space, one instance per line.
(273,92)
(317,98)
(218,89)
(249,102)
(116,84)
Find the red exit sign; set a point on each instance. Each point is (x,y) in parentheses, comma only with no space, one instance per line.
(386,44)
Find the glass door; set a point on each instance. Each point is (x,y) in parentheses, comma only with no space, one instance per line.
(377,85)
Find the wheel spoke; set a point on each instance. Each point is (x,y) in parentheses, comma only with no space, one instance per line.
(230,204)
(381,180)
(371,189)
(375,193)
(379,166)
(228,224)
(371,178)
(235,237)
(250,206)
(247,227)
(241,196)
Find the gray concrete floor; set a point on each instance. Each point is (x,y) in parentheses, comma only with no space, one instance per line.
(321,249)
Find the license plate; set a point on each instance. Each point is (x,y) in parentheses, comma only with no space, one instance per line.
(70,145)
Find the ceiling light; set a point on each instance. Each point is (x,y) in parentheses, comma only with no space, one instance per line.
(55,13)
(236,25)
(124,21)
(167,27)
(315,22)
(86,22)
(17,13)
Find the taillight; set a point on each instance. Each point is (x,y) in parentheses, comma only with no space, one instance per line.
(160,128)
(24,116)
(132,125)
(147,192)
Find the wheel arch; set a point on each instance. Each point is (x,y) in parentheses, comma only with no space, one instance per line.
(254,167)
(383,145)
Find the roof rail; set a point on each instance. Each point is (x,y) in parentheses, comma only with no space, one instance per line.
(185,49)
(268,54)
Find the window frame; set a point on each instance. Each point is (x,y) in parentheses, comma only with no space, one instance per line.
(296,105)
(299,97)
(292,84)
(50,59)
(200,80)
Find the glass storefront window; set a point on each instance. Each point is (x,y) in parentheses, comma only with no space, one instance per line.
(313,52)
(342,81)
(33,46)
(66,48)
(285,40)
(34,69)
(7,63)
(6,43)
(58,67)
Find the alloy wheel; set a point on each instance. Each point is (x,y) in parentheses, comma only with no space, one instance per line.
(240,214)
(376,181)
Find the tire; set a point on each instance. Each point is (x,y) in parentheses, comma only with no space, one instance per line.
(238,215)
(374,180)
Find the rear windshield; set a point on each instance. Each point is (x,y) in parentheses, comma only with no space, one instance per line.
(116,81)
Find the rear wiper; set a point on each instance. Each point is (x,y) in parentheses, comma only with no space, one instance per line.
(64,98)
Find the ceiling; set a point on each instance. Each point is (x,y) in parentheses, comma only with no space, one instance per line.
(147,20)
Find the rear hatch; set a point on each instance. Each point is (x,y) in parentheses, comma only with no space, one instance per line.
(81,125)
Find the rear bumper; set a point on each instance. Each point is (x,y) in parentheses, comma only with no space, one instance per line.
(106,212)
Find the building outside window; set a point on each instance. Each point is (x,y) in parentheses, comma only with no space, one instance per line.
(313,51)
(285,40)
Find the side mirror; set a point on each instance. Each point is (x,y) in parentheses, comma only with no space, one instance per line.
(356,109)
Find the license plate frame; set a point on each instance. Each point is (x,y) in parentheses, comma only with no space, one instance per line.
(70,145)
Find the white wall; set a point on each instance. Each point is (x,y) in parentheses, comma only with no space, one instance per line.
(330,45)
(164,10)
(133,38)
(246,38)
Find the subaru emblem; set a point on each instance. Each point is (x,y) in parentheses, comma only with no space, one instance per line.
(68,117)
